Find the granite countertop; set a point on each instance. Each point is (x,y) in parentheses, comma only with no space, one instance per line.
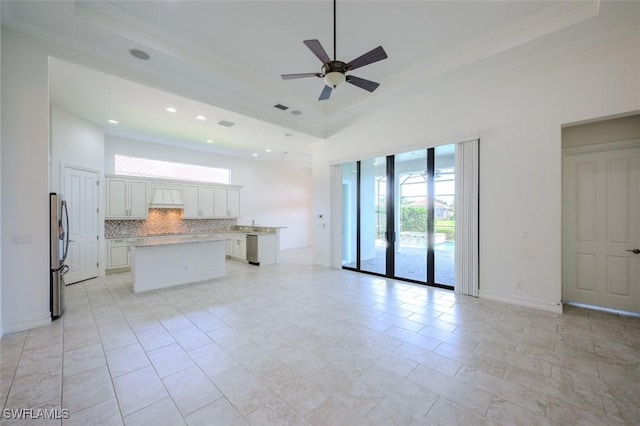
(237,229)
(257,228)
(185,239)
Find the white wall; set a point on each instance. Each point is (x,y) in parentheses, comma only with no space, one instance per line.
(518,116)
(1,329)
(25,184)
(77,143)
(273,194)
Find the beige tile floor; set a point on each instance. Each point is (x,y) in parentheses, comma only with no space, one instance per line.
(299,344)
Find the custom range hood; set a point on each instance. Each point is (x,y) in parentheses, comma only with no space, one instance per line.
(166,198)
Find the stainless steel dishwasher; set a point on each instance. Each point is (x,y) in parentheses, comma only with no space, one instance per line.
(252,249)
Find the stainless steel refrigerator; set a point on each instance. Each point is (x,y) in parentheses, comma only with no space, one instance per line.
(59,247)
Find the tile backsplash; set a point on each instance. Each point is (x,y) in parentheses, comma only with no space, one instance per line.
(164,221)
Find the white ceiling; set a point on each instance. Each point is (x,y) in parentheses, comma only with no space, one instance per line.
(223,59)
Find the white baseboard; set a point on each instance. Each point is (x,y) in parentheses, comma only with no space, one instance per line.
(522,301)
(25,325)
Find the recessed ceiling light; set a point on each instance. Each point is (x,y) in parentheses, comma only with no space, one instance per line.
(287,135)
(296,112)
(209,140)
(268,150)
(201,117)
(255,154)
(139,54)
(170,109)
(113,121)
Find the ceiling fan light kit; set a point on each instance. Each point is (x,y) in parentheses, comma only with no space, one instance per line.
(334,78)
(334,72)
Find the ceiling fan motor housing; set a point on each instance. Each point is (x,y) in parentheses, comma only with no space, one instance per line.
(334,73)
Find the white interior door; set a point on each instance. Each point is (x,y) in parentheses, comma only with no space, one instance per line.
(601,227)
(81,194)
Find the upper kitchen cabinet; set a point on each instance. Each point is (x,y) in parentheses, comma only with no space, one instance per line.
(127,198)
(226,202)
(233,202)
(198,201)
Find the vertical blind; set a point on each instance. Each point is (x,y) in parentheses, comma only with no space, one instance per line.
(467,216)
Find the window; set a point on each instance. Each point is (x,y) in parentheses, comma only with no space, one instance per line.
(135,166)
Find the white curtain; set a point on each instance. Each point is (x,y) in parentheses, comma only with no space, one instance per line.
(467,215)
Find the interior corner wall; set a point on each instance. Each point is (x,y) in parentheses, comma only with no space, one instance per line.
(25,184)
(518,114)
(273,194)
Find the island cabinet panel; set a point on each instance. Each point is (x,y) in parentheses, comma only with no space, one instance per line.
(127,199)
(170,262)
(198,202)
(267,249)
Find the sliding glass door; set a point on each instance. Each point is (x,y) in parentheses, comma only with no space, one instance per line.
(349,215)
(373,215)
(411,206)
(444,214)
(399,216)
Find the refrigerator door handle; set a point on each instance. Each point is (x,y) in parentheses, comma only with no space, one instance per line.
(64,269)
(66,216)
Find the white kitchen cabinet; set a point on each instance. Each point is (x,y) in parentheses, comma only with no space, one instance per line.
(226,202)
(233,202)
(118,254)
(242,247)
(127,198)
(198,202)
(237,246)
(230,244)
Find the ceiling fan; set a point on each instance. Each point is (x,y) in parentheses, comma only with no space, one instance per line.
(333,71)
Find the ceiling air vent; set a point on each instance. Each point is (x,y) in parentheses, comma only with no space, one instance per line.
(224,123)
(281,107)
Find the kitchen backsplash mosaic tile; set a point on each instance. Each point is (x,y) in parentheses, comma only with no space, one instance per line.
(164,221)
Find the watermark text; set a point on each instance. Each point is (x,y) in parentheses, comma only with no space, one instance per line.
(35,413)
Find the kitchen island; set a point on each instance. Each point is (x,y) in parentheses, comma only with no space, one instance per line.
(167,262)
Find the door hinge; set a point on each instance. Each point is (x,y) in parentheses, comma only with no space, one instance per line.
(97,183)
(97,264)
(97,237)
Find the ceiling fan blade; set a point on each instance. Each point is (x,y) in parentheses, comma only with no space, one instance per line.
(362,83)
(370,57)
(326,92)
(318,50)
(308,74)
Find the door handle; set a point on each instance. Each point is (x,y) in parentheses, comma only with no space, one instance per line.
(634,251)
